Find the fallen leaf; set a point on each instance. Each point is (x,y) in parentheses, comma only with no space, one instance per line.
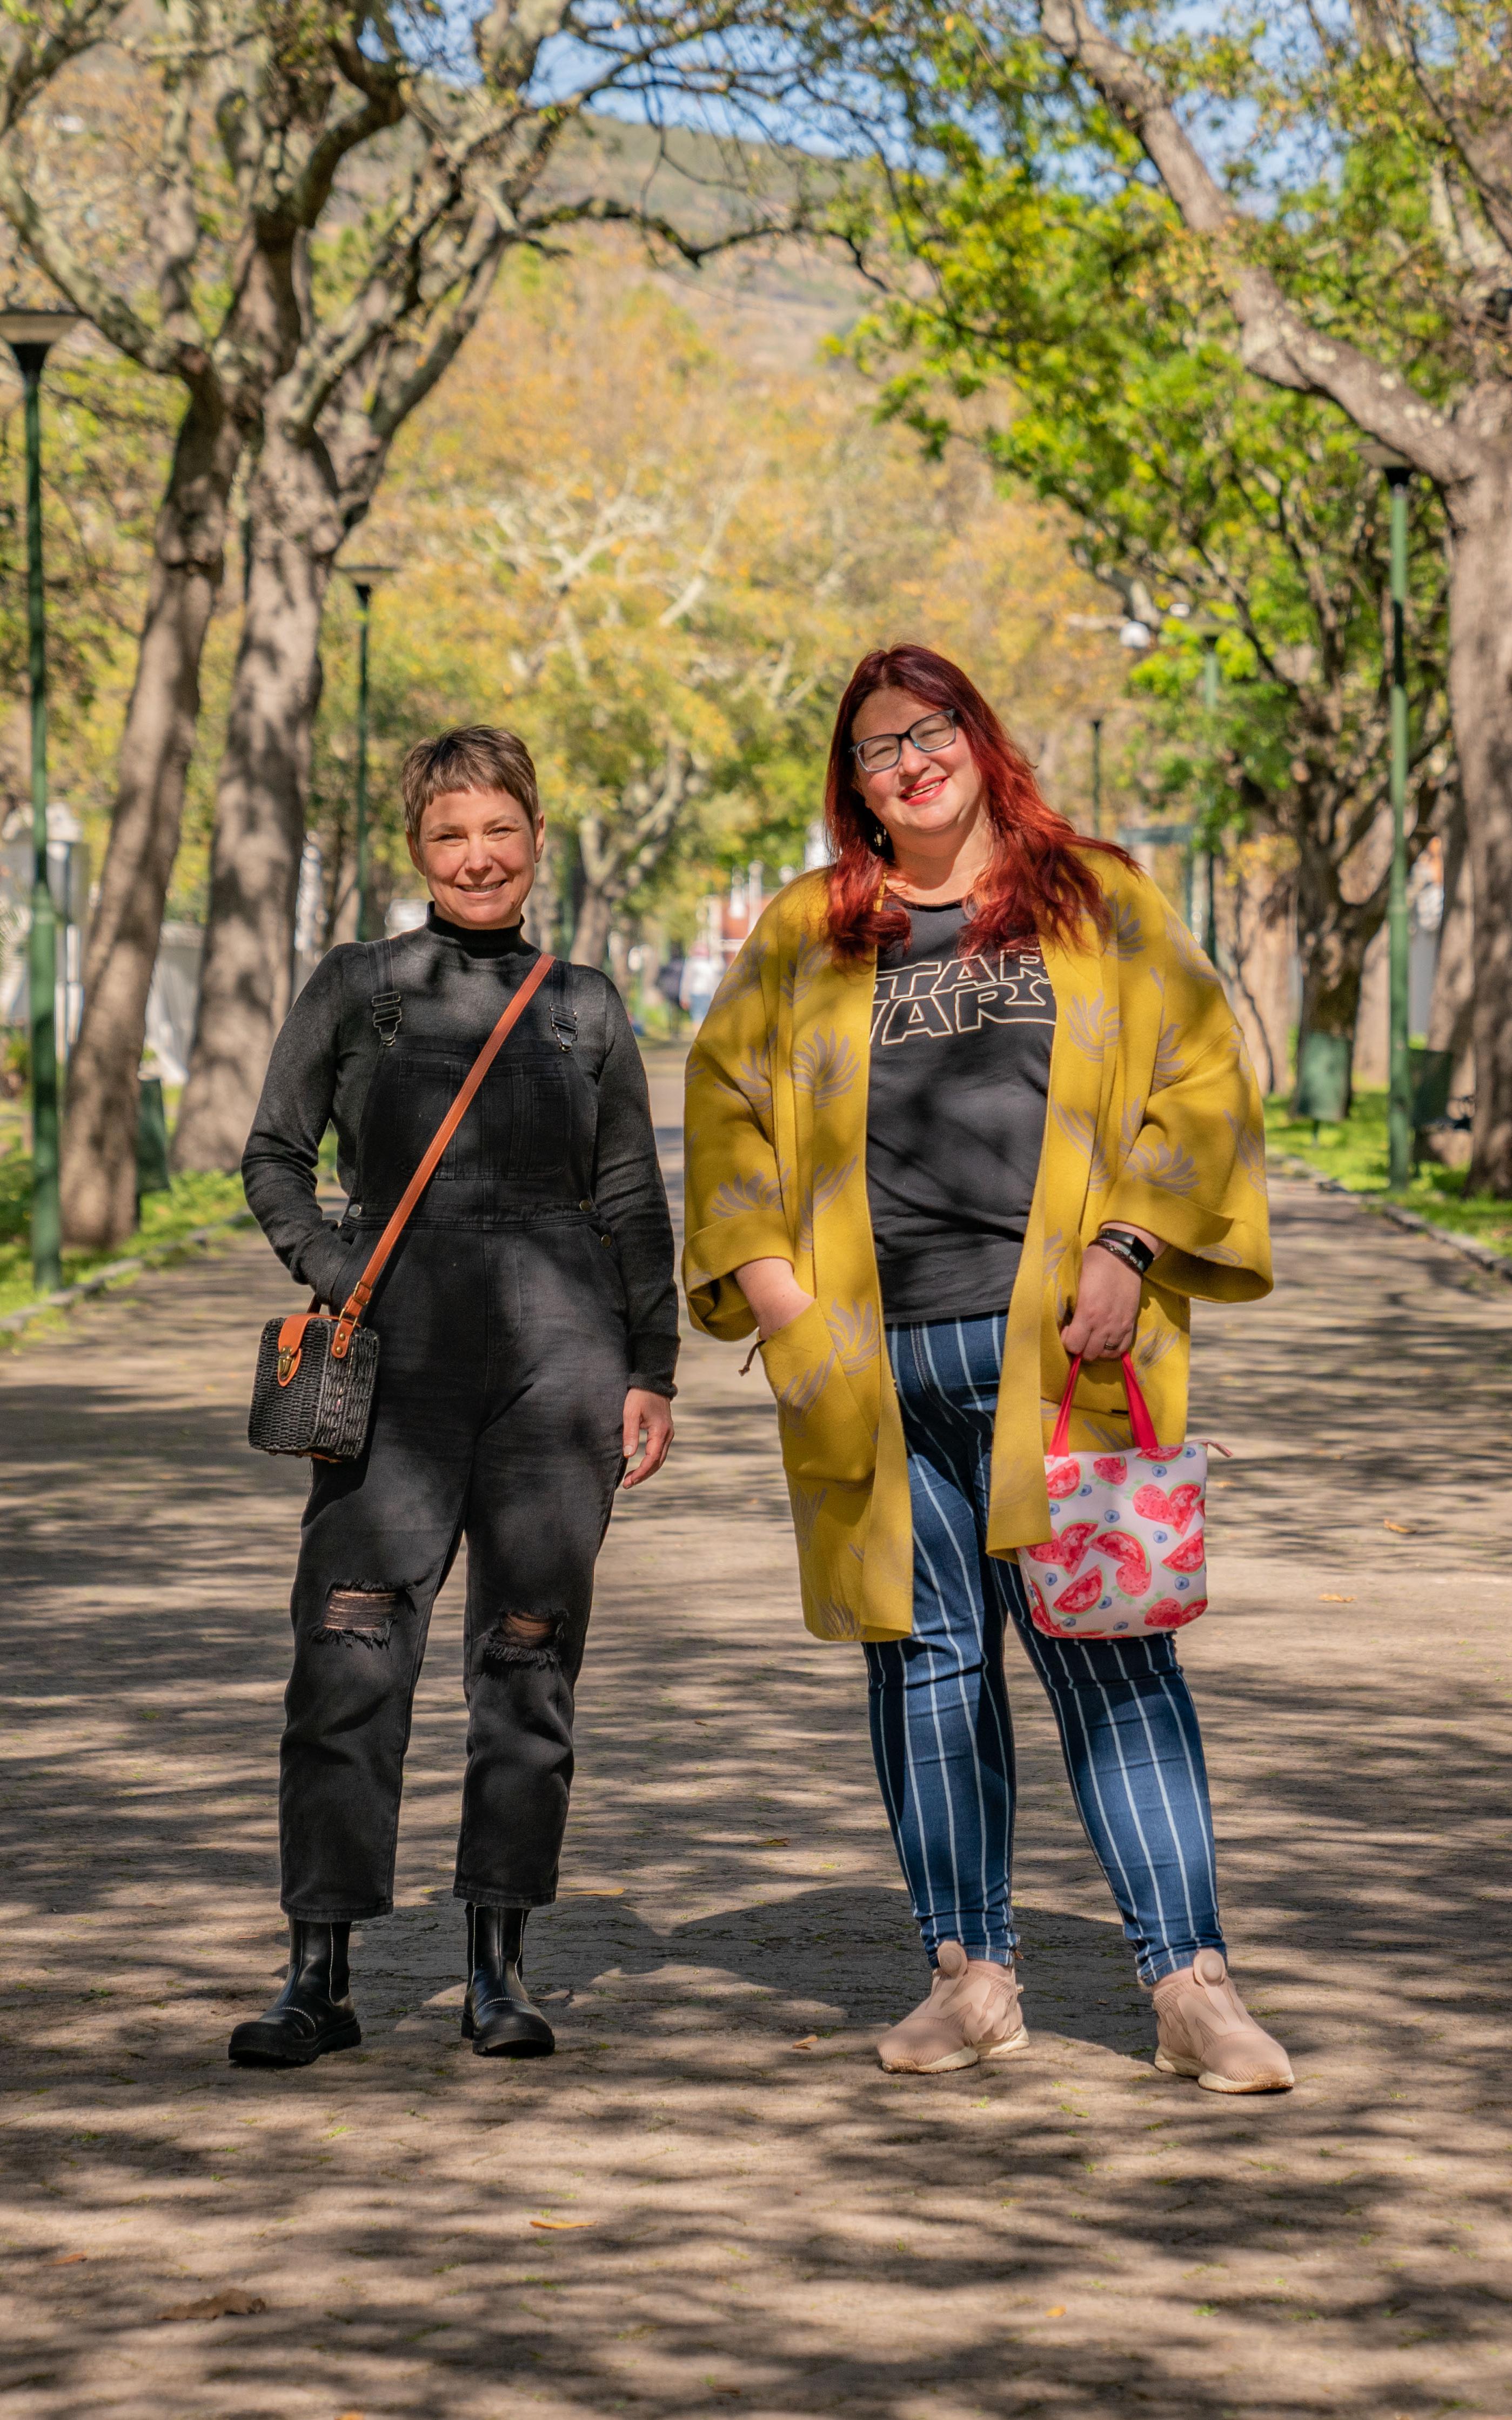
(348,2415)
(780,1843)
(810,2042)
(1328,1598)
(1403,1529)
(592,1890)
(561,2225)
(1057,2311)
(216,2307)
(68,2259)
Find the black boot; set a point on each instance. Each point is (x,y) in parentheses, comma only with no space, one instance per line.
(313,2013)
(499,2018)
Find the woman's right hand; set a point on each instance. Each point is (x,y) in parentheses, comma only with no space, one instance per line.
(774,1295)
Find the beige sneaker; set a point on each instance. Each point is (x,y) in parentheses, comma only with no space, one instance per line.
(1205,2031)
(972,2013)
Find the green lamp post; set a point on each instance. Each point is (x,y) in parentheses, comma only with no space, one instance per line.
(364,576)
(1209,716)
(1097,777)
(30,335)
(1397,471)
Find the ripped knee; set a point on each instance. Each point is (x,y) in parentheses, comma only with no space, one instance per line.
(365,1616)
(520,1637)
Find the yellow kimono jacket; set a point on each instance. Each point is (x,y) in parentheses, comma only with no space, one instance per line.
(1153,1116)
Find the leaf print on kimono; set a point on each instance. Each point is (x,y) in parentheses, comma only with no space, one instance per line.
(1130,1126)
(1127,936)
(743,975)
(752,1077)
(1093,1026)
(800,1393)
(1249,1148)
(1080,1131)
(826,1066)
(1161,1164)
(739,1194)
(1188,952)
(831,1618)
(1169,1064)
(808,962)
(856,1331)
(807,1503)
(1055,1245)
(829,1181)
(1078,1126)
(1152,1349)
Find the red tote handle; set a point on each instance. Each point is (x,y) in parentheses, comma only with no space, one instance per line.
(1146,1441)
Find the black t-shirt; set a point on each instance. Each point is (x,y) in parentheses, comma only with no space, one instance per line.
(960,1075)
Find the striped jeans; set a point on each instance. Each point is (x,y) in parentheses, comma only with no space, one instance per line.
(941,1731)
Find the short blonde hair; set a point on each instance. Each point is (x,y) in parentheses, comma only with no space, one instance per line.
(476,758)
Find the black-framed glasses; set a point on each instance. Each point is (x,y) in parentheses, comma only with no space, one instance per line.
(884,749)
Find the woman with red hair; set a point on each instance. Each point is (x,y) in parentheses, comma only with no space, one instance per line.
(971,1104)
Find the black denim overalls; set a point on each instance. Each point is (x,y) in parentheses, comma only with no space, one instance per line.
(501,1381)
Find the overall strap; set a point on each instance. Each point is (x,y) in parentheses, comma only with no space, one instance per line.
(388,1008)
(563,1015)
(357,1301)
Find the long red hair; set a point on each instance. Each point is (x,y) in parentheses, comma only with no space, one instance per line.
(1039,881)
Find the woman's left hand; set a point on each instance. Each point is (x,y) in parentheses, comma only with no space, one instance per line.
(1102,1326)
(647,1417)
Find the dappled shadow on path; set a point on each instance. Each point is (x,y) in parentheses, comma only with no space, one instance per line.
(759,2218)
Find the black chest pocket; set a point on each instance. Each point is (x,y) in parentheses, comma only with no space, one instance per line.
(537,1107)
(417,1089)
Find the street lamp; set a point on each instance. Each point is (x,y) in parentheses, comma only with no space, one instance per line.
(363,576)
(30,335)
(1397,471)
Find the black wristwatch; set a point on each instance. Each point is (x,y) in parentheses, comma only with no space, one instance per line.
(1127,1249)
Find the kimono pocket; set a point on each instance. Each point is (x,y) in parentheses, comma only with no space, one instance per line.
(819,1421)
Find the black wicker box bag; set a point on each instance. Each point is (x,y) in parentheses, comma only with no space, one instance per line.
(316,1374)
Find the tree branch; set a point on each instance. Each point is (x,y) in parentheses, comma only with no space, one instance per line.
(154,350)
(1276,342)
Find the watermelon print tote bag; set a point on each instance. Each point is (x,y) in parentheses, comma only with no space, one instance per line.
(1127,1553)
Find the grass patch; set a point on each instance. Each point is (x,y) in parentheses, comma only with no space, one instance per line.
(1356,1155)
(199,1201)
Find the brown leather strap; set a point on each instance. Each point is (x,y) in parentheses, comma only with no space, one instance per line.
(357,1301)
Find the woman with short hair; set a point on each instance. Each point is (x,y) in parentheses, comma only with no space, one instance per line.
(528,1327)
(969,1103)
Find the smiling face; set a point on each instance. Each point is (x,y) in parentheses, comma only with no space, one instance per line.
(478,851)
(929,800)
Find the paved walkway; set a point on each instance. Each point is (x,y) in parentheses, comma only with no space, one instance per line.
(713,2199)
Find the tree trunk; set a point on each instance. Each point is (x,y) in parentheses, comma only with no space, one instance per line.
(1452,1008)
(295,526)
(1333,936)
(541,904)
(1260,915)
(1480,693)
(590,938)
(99,1173)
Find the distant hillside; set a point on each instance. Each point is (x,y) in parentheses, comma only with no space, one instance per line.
(777,301)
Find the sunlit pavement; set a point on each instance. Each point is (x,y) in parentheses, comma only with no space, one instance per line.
(713,2198)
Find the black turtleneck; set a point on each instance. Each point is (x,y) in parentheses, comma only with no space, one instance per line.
(453,980)
(481,941)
